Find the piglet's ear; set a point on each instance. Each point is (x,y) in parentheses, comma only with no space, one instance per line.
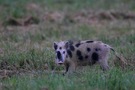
(55,45)
(70,42)
(66,44)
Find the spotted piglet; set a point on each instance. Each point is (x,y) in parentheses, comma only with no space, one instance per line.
(81,53)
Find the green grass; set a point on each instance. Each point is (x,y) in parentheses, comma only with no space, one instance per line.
(30,48)
(94,79)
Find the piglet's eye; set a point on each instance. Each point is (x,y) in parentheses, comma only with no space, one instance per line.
(63,52)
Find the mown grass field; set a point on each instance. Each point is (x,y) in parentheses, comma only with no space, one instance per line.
(26,44)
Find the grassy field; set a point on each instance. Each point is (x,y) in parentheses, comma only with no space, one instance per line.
(28,29)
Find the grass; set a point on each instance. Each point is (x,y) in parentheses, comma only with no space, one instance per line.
(29,49)
(114,79)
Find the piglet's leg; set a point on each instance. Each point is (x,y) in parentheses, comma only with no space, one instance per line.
(104,64)
(70,68)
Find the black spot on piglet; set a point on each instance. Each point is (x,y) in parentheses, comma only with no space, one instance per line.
(72,48)
(78,44)
(88,49)
(69,53)
(86,57)
(95,56)
(79,55)
(89,41)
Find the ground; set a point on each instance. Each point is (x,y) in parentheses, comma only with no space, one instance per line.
(28,29)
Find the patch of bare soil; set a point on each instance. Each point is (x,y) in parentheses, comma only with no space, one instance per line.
(33,6)
(88,16)
(22,21)
(54,16)
(61,17)
(8,70)
(6,73)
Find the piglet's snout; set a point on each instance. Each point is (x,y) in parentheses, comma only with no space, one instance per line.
(59,56)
